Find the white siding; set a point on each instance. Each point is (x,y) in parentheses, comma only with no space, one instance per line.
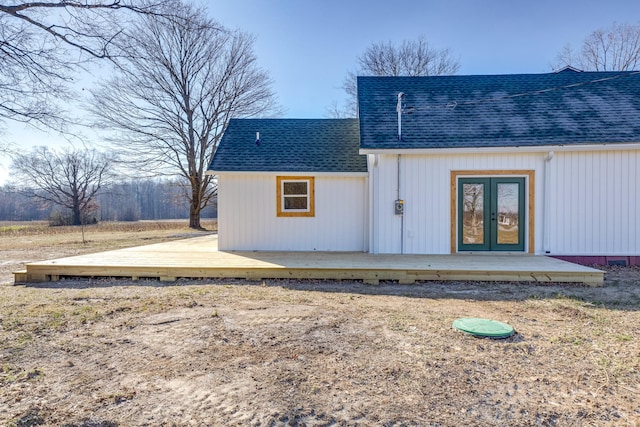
(595,203)
(247,215)
(592,207)
(425,186)
(593,200)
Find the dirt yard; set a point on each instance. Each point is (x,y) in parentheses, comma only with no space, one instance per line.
(105,353)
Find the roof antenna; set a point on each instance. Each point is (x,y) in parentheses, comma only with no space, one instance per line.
(399,111)
(258,139)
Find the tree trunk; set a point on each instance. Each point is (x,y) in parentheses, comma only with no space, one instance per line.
(194,216)
(77,214)
(194,206)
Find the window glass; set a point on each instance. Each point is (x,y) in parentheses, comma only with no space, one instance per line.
(296,188)
(295,202)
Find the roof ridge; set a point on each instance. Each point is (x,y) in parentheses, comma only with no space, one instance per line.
(326,119)
(514,75)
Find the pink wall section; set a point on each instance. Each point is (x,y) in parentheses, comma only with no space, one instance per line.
(601,260)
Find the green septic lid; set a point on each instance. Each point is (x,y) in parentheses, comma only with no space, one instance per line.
(483,327)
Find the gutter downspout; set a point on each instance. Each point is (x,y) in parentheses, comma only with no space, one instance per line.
(372,188)
(402,214)
(546,226)
(399,111)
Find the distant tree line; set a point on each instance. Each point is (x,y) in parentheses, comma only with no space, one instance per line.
(173,77)
(147,200)
(134,200)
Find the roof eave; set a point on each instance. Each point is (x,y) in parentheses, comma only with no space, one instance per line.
(288,173)
(510,148)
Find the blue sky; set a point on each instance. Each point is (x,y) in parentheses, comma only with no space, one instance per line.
(308,46)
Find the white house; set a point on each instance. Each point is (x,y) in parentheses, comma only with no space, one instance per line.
(291,185)
(528,163)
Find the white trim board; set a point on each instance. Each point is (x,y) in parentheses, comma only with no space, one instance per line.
(288,173)
(510,150)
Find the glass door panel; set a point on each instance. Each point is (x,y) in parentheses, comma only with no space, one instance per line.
(507,213)
(473,213)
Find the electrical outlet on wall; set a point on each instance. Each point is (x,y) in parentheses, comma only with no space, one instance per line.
(399,207)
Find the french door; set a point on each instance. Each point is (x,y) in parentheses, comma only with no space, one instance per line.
(491,214)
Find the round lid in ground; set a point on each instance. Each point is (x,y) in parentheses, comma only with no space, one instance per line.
(483,327)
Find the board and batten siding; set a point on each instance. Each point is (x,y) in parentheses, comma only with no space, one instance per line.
(247,215)
(425,187)
(592,206)
(595,203)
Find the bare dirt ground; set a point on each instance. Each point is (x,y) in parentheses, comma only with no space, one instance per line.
(311,353)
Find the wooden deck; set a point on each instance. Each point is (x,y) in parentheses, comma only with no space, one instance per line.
(199,258)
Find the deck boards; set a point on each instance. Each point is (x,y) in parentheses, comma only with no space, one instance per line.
(199,258)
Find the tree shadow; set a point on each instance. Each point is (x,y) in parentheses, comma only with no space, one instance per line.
(36,417)
(613,294)
(92,423)
(620,291)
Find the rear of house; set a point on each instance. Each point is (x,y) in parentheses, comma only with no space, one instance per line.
(526,164)
(532,163)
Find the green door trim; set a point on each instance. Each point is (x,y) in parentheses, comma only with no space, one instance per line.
(490,220)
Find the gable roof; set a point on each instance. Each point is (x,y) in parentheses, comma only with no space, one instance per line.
(562,108)
(290,145)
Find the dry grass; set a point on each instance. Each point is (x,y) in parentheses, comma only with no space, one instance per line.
(22,233)
(119,353)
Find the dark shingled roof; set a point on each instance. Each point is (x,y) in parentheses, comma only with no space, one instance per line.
(291,145)
(561,108)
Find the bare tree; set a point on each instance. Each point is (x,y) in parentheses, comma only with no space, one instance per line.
(183,80)
(616,48)
(474,199)
(68,178)
(410,58)
(5,146)
(336,111)
(43,43)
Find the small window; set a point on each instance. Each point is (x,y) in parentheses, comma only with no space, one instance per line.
(295,196)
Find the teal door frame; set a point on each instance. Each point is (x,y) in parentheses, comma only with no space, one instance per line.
(483,194)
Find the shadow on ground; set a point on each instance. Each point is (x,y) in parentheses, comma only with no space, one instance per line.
(621,289)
